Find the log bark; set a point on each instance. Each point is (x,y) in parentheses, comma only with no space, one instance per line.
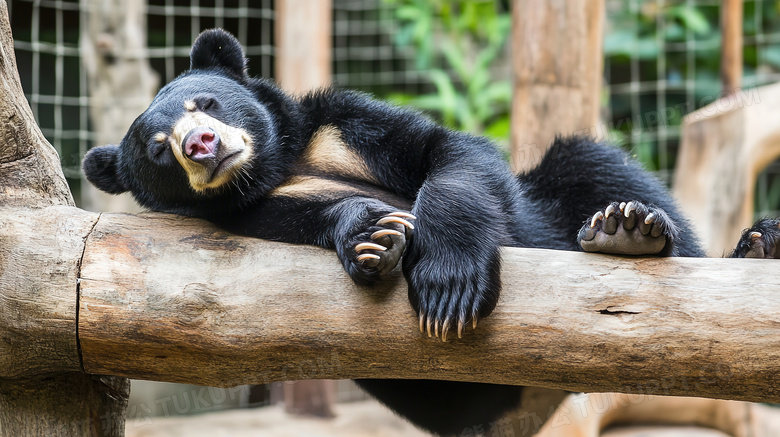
(174,299)
(30,173)
(64,405)
(558,62)
(724,146)
(43,390)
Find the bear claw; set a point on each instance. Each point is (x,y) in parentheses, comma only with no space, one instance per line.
(379,234)
(373,246)
(394,219)
(380,255)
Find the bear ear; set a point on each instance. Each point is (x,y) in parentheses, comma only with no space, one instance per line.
(216,48)
(100,168)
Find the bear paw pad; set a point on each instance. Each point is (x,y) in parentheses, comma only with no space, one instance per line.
(628,228)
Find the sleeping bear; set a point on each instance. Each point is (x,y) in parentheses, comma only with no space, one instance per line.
(381,185)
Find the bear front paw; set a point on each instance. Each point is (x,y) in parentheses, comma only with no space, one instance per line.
(760,241)
(377,250)
(631,228)
(449,292)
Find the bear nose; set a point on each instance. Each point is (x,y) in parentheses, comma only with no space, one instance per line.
(200,144)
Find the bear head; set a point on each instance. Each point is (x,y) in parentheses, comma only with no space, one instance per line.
(210,140)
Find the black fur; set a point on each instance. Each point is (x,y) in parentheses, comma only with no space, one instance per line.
(218,51)
(104,176)
(759,241)
(467,202)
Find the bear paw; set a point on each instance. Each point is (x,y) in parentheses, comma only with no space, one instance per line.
(631,228)
(760,241)
(378,250)
(450,290)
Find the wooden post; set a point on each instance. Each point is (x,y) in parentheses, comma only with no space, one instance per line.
(43,390)
(303,44)
(723,148)
(731,12)
(303,62)
(121,82)
(558,65)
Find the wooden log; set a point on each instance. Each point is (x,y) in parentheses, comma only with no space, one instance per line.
(303,44)
(724,146)
(558,60)
(587,415)
(731,13)
(38,309)
(64,405)
(174,299)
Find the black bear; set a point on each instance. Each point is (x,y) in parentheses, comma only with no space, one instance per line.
(373,182)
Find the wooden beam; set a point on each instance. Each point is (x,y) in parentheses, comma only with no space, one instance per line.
(174,299)
(303,44)
(731,12)
(558,62)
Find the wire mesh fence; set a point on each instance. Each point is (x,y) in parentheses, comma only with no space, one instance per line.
(661,62)
(364,54)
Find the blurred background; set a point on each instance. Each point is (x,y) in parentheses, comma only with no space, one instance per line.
(90,67)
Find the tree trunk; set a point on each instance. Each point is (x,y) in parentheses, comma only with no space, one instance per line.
(731,12)
(42,388)
(558,65)
(303,44)
(121,82)
(64,405)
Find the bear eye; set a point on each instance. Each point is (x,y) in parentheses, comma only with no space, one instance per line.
(156,149)
(206,103)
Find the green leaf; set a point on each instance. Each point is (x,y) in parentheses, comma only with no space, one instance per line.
(447,93)
(427,102)
(456,60)
(499,129)
(409,13)
(691,17)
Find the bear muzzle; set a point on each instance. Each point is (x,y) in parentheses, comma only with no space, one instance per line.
(201,144)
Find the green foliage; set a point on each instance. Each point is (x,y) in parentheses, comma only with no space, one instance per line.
(455,43)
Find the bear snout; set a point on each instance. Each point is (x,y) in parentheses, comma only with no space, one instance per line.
(201,144)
